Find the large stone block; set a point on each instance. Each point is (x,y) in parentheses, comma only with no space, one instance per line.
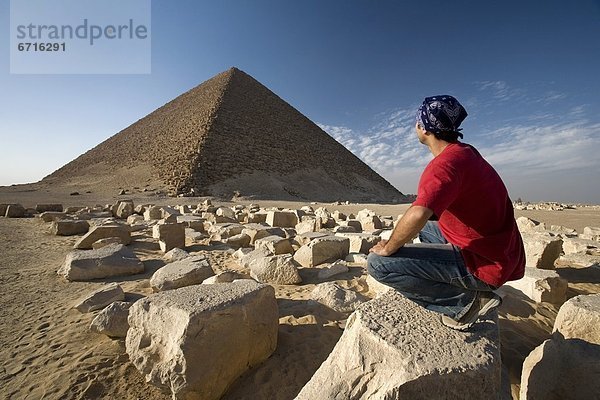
(282,219)
(591,233)
(15,211)
(67,227)
(102,232)
(189,271)
(276,269)
(169,236)
(394,349)
(196,341)
(541,249)
(112,321)
(579,318)
(111,260)
(275,244)
(561,370)
(360,242)
(322,250)
(50,216)
(41,208)
(541,286)
(577,245)
(152,212)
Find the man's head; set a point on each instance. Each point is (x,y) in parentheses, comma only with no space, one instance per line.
(441,116)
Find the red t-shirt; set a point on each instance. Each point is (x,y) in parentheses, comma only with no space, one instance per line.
(475,213)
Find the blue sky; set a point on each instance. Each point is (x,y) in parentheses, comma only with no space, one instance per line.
(525,70)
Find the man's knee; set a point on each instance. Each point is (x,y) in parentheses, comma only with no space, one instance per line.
(373,264)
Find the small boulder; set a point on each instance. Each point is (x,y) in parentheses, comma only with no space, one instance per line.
(322,250)
(112,320)
(196,341)
(153,212)
(579,318)
(176,254)
(276,269)
(189,271)
(541,286)
(111,260)
(326,271)
(104,231)
(100,243)
(42,208)
(50,216)
(239,240)
(67,227)
(541,249)
(337,298)
(225,277)
(274,244)
(100,298)
(169,235)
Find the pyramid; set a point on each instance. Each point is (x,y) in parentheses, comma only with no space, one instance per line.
(231,135)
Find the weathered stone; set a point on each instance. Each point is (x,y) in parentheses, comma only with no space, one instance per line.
(100,298)
(591,233)
(193,222)
(124,209)
(50,216)
(247,259)
(326,271)
(101,232)
(337,298)
(344,229)
(221,231)
(66,227)
(392,348)
(169,235)
(276,269)
(529,225)
(42,208)
(239,240)
(100,243)
(307,237)
(562,229)
(582,259)
(225,277)
(111,260)
(376,287)
(360,242)
(112,321)
(561,369)
(275,244)
(357,258)
(196,341)
(176,254)
(579,318)
(541,249)
(371,223)
(241,252)
(15,211)
(322,250)
(541,286)
(283,219)
(225,212)
(189,271)
(365,213)
(309,225)
(153,212)
(354,223)
(577,245)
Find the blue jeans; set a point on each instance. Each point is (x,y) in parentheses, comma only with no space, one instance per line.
(431,273)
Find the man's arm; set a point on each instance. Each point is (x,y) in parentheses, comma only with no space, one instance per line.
(406,229)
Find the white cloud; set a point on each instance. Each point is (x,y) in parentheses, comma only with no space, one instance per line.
(500,90)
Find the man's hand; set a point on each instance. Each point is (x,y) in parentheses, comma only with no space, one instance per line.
(380,249)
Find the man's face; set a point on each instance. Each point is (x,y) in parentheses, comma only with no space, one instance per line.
(420,133)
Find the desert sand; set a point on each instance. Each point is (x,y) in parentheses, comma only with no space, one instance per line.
(47,350)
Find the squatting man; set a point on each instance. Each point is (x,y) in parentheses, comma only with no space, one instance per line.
(474,246)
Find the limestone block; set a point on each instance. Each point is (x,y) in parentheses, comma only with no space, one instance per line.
(276,269)
(193,222)
(307,237)
(225,212)
(360,242)
(104,231)
(541,249)
(247,259)
(225,277)
(283,219)
(529,225)
(153,212)
(326,271)
(15,211)
(344,229)
(111,260)
(275,244)
(377,287)
(50,216)
(337,298)
(365,213)
(392,348)
(189,271)
(578,245)
(66,227)
(176,254)
(541,286)
(591,233)
(100,298)
(196,341)
(579,318)
(42,208)
(223,230)
(354,223)
(237,241)
(371,223)
(322,250)
(124,209)
(169,236)
(112,320)
(560,370)
(357,258)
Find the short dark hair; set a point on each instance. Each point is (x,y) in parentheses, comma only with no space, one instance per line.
(448,136)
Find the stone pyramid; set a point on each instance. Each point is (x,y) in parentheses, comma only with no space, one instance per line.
(232,135)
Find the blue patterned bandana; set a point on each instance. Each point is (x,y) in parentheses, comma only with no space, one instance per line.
(442,113)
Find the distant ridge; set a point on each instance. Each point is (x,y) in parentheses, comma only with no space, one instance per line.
(230,135)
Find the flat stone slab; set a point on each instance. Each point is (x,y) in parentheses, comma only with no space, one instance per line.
(69,227)
(197,340)
(394,349)
(100,298)
(102,232)
(111,260)
(189,271)
(322,250)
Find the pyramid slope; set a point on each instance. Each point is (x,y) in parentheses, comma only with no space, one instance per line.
(232,134)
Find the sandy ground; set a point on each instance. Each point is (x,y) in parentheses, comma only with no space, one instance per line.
(47,350)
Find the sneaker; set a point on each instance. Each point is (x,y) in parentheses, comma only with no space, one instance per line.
(483,303)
